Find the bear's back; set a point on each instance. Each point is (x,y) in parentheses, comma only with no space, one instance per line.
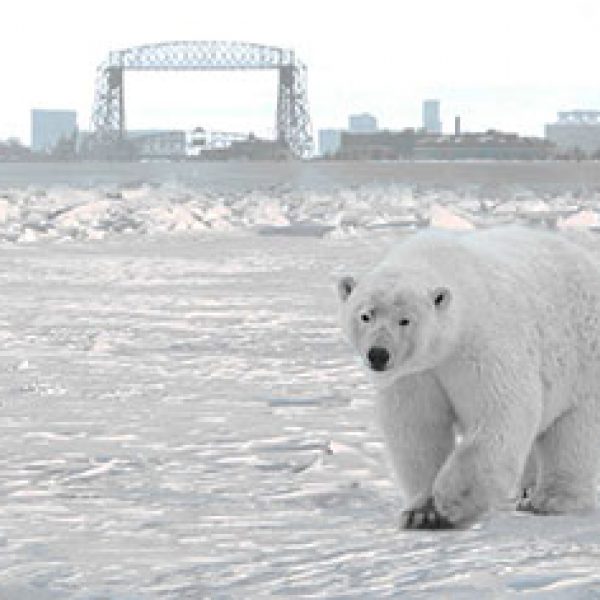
(508,253)
(514,272)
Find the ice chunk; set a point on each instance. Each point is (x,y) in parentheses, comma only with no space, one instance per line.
(443,218)
(583,218)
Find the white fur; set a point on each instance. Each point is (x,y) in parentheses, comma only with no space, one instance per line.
(511,360)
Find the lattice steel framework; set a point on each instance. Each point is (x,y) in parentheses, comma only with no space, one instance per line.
(292,120)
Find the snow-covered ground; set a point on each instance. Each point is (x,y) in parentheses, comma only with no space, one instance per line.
(180,418)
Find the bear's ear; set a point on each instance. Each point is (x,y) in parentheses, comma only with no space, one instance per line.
(345,287)
(441,298)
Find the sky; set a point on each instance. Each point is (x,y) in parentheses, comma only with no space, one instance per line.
(502,64)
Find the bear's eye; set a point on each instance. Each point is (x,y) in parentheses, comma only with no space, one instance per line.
(365,317)
(439,298)
(404,322)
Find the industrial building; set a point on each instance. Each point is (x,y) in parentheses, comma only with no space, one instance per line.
(492,145)
(251,148)
(576,132)
(362,123)
(203,140)
(419,145)
(379,145)
(329,141)
(49,127)
(431,116)
(159,143)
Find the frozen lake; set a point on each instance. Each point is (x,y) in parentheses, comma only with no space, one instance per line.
(180,419)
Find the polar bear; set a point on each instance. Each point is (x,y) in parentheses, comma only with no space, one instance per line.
(484,348)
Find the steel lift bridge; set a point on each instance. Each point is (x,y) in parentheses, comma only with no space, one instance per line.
(292,120)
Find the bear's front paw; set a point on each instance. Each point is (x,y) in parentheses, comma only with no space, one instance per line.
(464,486)
(424,517)
(525,505)
(524,501)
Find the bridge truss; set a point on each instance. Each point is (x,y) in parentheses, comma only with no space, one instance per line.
(292,119)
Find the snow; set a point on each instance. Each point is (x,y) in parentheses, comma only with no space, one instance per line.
(181,418)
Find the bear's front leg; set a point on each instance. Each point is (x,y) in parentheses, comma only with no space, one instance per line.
(471,482)
(486,467)
(417,425)
(498,401)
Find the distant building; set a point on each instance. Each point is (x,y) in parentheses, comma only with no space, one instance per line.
(431,116)
(202,139)
(419,145)
(378,145)
(83,141)
(363,122)
(159,143)
(576,131)
(492,145)
(49,127)
(329,141)
(251,148)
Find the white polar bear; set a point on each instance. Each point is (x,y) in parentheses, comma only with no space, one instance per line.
(494,335)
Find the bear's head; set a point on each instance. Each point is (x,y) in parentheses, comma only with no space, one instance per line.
(398,325)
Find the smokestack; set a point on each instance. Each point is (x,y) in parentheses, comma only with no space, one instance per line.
(457,125)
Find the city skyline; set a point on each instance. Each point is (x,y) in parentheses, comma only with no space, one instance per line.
(503,66)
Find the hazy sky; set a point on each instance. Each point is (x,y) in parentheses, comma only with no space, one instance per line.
(507,64)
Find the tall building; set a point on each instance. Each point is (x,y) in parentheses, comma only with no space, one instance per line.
(576,131)
(363,122)
(329,141)
(48,127)
(457,125)
(431,116)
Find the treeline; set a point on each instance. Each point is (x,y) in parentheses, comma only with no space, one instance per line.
(13,150)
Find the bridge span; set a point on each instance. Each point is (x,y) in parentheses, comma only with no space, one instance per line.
(292,124)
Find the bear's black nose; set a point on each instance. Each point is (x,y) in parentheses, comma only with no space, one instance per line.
(378,358)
